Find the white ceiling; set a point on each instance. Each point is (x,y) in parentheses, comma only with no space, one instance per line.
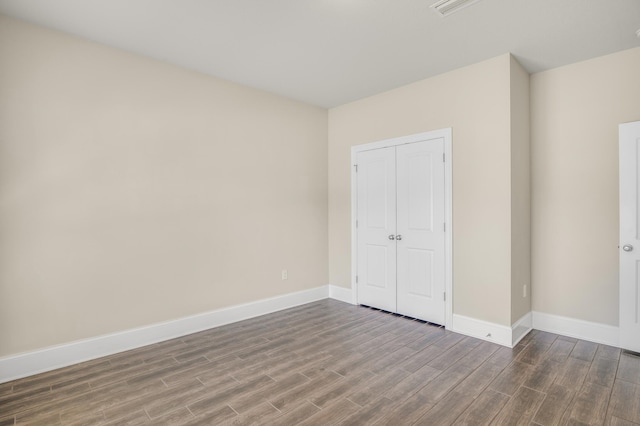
(329,52)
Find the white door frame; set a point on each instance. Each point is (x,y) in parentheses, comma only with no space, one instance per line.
(448,176)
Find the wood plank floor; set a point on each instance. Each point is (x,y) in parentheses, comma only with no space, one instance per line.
(330,363)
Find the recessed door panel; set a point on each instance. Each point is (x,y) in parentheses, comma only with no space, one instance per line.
(420,191)
(634,305)
(376,264)
(420,273)
(376,195)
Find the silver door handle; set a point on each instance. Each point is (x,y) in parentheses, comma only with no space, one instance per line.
(627,247)
(392,237)
(398,237)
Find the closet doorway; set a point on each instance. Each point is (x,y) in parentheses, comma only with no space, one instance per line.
(401,199)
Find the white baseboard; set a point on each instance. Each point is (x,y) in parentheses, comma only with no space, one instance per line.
(521,328)
(342,294)
(491,332)
(484,330)
(579,329)
(510,336)
(30,363)
(27,364)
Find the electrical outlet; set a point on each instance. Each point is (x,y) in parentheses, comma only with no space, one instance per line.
(285,274)
(524,290)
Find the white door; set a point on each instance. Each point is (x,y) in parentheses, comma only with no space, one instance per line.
(400,229)
(630,236)
(376,223)
(420,228)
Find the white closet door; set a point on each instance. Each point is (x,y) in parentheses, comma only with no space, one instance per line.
(376,219)
(630,236)
(420,231)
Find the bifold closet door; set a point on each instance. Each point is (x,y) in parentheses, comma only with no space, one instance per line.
(376,218)
(400,229)
(420,227)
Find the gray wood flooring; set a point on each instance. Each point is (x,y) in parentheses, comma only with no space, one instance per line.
(330,363)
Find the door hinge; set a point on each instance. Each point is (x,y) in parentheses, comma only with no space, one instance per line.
(356,279)
(444,296)
(356,223)
(443,158)
(444,226)
(356,167)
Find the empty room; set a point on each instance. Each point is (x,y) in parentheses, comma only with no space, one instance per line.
(324,212)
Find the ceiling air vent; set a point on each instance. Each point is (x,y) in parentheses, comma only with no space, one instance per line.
(447,7)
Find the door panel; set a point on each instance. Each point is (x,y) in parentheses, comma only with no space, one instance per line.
(630,236)
(420,222)
(376,220)
(419,194)
(376,263)
(376,174)
(420,273)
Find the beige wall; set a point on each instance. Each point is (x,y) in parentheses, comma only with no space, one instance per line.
(520,193)
(475,102)
(575,112)
(133,192)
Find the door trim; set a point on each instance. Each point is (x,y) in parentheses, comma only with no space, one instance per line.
(445,134)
